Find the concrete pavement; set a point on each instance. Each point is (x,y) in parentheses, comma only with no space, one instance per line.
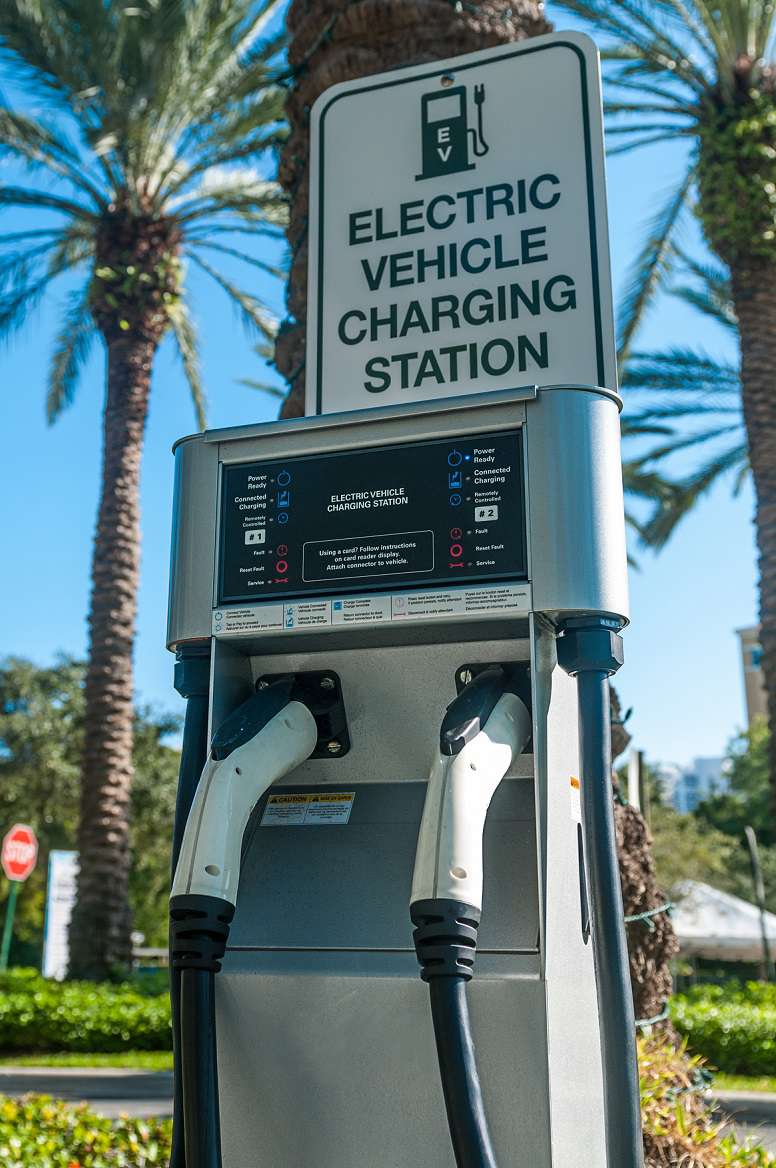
(109,1091)
(115,1091)
(752,1115)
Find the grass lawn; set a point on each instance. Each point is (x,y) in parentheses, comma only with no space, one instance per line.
(141,1060)
(744,1083)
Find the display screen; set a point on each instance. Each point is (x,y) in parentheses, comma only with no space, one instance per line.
(389,517)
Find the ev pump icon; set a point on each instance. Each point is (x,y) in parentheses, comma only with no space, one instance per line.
(445,133)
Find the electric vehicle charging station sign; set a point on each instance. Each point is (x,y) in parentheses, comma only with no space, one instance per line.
(458,231)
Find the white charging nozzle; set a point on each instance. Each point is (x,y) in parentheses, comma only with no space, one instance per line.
(485,728)
(251,751)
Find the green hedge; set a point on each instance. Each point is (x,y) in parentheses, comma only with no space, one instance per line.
(40,1015)
(733,1026)
(37,1132)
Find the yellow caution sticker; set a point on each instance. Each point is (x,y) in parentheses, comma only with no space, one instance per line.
(303,809)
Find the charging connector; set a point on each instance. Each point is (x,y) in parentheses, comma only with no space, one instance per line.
(483,730)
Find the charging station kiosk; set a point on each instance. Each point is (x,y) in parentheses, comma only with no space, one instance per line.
(325,1051)
(395,627)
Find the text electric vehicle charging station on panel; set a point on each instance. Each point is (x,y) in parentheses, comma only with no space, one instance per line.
(395,628)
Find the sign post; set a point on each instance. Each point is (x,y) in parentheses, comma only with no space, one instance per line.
(458,229)
(18,857)
(60,898)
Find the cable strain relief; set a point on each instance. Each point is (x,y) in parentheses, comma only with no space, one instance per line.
(199,931)
(445,937)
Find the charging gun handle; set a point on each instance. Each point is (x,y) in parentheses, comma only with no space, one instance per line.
(483,730)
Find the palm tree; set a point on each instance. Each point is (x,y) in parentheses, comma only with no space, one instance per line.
(335,41)
(149,122)
(703,71)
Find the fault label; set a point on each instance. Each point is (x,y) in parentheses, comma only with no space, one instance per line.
(308,810)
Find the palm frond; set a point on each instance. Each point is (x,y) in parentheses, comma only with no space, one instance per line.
(254,315)
(685,495)
(16,306)
(277,391)
(41,146)
(690,371)
(242,192)
(71,351)
(238,254)
(186,341)
(652,264)
(635,33)
(11,196)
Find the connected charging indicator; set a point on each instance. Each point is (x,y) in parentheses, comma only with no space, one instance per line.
(404,516)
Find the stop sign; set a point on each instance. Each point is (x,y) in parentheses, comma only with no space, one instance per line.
(20,851)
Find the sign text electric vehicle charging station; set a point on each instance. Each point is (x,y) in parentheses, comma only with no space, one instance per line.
(394,626)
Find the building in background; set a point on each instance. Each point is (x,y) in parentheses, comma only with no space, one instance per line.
(751,659)
(685,787)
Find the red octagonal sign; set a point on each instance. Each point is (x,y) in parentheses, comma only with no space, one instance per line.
(20,851)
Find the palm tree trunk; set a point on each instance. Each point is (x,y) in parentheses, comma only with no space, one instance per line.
(754,296)
(338,40)
(100,928)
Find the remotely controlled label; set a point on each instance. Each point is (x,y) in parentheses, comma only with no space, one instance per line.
(417,515)
(313,810)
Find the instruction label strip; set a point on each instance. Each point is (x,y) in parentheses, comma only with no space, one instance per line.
(374,609)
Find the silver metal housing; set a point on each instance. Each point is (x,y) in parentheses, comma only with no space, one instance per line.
(576,540)
(326,1049)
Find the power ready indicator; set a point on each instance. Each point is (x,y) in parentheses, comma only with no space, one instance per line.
(415,515)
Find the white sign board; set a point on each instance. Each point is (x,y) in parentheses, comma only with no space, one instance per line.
(458,233)
(60,898)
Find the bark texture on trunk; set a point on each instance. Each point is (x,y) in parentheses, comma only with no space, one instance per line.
(754,295)
(651,941)
(338,41)
(100,928)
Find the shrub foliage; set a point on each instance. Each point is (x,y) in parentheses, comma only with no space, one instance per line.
(733,1026)
(680,1128)
(37,1132)
(39,1015)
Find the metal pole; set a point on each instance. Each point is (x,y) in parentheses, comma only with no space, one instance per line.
(759,894)
(635,776)
(10,910)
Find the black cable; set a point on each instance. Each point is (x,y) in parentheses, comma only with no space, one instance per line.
(617,1021)
(460,1081)
(199,1069)
(192,678)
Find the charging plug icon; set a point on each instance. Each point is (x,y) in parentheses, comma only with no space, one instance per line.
(448,142)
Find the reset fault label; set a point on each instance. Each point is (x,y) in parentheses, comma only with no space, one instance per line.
(420,514)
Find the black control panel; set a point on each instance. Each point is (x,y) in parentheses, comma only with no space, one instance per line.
(386,518)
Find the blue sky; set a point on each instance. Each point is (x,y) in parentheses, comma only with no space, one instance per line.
(682,674)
